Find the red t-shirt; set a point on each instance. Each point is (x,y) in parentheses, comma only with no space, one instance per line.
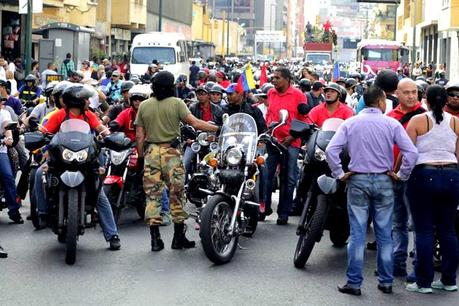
(320,113)
(55,120)
(289,101)
(206,112)
(397,114)
(126,121)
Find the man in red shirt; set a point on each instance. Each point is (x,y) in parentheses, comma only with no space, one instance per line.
(283,96)
(126,119)
(332,108)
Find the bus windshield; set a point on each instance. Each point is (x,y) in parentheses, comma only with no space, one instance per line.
(388,55)
(318,58)
(145,55)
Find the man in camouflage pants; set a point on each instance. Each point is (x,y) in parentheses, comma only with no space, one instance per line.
(158,125)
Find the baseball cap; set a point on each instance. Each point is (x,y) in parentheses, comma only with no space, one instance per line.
(116,73)
(317,85)
(233,88)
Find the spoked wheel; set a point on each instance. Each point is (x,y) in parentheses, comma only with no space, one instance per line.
(312,232)
(217,243)
(72,227)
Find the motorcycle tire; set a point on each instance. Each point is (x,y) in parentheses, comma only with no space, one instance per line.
(339,236)
(112,193)
(312,234)
(33,202)
(72,226)
(217,247)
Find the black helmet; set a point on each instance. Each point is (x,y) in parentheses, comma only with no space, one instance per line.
(387,80)
(134,79)
(333,86)
(305,84)
(75,96)
(421,89)
(209,85)
(420,78)
(217,88)
(59,88)
(30,78)
(50,87)
(126,86)
(343,95)
(163,78)
(355,76)
(350,82)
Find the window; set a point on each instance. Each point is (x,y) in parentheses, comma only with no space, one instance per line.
(380,54)
(318,59)
(146,55)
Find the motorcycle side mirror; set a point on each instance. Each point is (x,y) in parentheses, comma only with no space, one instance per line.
(225,118)
(34,140)
(283,115)
(300,129)
(12,125)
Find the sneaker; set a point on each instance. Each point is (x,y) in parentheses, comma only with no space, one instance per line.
(440,286)
(16,218)
(115,243)
(415,288)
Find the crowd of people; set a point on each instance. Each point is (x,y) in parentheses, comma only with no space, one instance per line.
(401,135)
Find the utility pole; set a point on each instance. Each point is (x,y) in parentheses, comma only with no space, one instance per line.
(160,16)
(223,32)
(28,38)
(413,49)
(228,27)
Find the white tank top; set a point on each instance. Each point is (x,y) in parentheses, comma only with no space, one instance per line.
(439,144)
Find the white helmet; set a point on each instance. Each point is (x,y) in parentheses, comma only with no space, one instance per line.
(143,91)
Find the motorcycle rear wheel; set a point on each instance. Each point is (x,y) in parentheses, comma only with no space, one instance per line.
(72,226)
(313,232)
(215,221)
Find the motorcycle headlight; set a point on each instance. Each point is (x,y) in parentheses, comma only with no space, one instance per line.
(195,147)
(118,157)
(202,139)
(319,154)
(79,156)
(213,146)
(233,156)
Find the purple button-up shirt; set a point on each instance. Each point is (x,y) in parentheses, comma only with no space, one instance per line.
(369,138)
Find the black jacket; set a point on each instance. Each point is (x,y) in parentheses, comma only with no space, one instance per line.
(246,108)
(217,112)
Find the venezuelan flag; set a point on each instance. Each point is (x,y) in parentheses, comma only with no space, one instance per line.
(246,82)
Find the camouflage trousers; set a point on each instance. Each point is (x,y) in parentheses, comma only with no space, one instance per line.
(163,166)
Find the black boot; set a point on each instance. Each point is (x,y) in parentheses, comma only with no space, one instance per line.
(156,243)
(179,242)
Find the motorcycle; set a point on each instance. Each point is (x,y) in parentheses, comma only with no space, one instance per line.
(325,206)
(233,210)
(123,184)
(72,181)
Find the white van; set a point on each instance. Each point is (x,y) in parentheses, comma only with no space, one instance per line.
(169,49)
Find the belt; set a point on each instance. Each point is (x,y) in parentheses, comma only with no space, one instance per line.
(371,173)
(436,167)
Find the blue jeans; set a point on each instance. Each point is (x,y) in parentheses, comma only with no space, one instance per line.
(370,194)
(9,185)
(433,197)
(165,201)
(289,177)
(104,210)
(188,157)
(400,226)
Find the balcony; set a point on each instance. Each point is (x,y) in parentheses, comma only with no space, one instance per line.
(129,14)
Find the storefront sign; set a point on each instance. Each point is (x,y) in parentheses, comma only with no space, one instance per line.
(54,77)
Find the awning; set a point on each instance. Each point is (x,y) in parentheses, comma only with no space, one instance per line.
(63,26)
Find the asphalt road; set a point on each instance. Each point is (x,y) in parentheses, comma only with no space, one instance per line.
(261,272)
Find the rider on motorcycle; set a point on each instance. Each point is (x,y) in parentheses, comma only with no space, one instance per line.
(113,89)
(41,110)
(30,93)
(76,107)
(115,110)
(6,173)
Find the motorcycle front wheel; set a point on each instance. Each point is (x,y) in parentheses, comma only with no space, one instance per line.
(72,226)
(218,245)
(312,232)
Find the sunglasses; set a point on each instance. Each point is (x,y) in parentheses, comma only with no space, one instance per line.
(453,94)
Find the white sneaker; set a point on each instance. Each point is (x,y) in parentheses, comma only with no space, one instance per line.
(415,288)
(439,285)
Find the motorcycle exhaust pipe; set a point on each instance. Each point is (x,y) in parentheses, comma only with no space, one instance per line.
(250,184)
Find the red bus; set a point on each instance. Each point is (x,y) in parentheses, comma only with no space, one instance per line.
(376,54)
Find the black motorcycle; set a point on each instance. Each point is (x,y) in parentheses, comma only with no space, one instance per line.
(233,210)
(72,181)
(325,204)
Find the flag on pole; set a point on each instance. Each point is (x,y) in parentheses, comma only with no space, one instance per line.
(336,73)
(246,82)
(263,76)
